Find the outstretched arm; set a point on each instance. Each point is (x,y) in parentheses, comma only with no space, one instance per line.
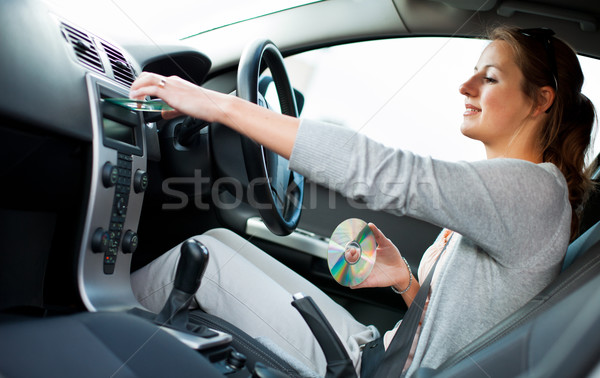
(275,131)
(493,203)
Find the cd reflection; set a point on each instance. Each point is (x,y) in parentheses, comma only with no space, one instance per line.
(352,252)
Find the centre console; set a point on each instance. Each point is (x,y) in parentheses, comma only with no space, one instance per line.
(117,185)
(118,182)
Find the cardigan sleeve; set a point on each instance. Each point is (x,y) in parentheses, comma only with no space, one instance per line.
(505,206)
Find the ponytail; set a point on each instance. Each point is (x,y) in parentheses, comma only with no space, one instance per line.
(565,138)
(567,150)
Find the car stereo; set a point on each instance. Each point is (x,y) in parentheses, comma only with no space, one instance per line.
(118,182)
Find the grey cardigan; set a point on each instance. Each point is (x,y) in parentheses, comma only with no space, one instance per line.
(512,218)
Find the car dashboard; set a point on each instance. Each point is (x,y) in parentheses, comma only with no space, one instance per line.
(78,208)
(75,174)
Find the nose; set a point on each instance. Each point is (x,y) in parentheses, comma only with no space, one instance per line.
(468,88)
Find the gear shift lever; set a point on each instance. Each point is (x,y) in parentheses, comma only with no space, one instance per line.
(191,267)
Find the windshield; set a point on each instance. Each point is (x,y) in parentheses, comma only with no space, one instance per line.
(408,97)
(175,19)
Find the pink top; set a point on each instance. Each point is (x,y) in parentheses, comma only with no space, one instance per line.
(427,261)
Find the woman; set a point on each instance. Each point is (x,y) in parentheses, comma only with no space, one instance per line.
(512,215)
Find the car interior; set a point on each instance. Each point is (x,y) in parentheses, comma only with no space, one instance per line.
(93,191)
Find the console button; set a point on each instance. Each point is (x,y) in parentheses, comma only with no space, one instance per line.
(110,175)
(121,204)
(100,240)
(130,242)
(140,181)
(236,360)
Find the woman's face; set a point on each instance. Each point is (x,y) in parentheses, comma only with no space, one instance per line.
(496,107)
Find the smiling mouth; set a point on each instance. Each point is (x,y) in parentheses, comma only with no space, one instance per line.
(471,110)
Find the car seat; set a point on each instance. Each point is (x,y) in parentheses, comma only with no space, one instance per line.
(521,343)
(95,345)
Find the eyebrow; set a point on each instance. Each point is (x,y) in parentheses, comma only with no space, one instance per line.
(488,66)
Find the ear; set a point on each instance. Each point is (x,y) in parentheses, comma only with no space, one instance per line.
(546,96)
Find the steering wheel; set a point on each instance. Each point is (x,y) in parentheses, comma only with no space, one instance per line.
(275,190)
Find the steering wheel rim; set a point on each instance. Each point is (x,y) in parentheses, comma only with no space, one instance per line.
(277,191)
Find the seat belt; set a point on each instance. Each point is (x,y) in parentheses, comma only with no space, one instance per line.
(397,352)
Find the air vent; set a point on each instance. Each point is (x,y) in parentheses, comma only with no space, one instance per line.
(84,47)
(122,70)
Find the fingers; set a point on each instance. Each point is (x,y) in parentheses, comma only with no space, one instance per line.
(170,114)
(380,238)
(151,84)
(364,284)
(146,79)
(147,84)
(374,228)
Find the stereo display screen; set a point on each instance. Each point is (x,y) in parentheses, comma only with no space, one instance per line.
(118,131)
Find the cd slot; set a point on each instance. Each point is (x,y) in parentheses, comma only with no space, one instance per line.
(119,113)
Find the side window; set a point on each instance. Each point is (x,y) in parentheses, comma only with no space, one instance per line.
(402,92)
(591,73)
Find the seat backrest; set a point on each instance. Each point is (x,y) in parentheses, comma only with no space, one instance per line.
(561,342)
(589,222)
(579,246)
(583,267)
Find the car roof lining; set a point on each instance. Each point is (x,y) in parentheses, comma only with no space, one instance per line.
(423,17)
(337,20)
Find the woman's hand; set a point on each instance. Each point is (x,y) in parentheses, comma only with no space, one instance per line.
(275,131)
(183,96)
(390,268)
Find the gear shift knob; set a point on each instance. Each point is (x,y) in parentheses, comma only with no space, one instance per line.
(191,266)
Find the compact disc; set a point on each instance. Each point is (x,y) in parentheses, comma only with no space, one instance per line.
(141,105)
(351,253)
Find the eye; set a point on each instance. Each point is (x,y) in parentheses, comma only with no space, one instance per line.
(489,80)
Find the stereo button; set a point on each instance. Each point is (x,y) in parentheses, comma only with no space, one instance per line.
(110,175)
(100,240)
(130,242)
(140,181)
(121,206)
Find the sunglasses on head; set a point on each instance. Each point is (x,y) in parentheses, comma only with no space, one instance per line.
(544,36)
